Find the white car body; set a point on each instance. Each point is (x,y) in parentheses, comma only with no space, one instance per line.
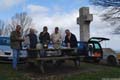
(6,52)
(107,53)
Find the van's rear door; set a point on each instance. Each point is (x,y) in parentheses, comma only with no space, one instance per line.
(94,46)
(99,39)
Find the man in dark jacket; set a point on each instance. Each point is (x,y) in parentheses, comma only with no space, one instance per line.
(33,42)
(44,37)
(33,38)
(71,42)
(15,43)
(70,39)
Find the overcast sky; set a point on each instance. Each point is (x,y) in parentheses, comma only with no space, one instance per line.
(61,13)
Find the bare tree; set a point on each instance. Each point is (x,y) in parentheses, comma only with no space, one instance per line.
(2,28)
(106,3)
(21,19)
(112,12)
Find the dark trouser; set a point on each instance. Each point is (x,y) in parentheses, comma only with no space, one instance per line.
(43,53)
(32,54)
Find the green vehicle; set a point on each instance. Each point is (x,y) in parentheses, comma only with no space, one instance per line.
(91,50)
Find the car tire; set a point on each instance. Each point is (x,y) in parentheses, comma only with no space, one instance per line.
(96,60)
(111,60)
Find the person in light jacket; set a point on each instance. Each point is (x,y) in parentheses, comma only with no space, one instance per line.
(56,38)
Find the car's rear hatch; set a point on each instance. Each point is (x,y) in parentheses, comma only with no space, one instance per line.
(99,39)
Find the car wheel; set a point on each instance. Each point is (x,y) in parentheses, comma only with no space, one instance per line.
(111,60)
(96,60)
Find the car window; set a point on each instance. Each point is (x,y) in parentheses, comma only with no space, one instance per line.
(82,45)
(4,41)
(97,46)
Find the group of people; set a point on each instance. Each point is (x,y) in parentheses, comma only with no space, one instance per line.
(44,38)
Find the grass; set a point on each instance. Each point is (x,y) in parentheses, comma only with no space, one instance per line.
(103,73)
(86,72)
(7,73)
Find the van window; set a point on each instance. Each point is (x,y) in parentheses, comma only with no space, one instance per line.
(97,46)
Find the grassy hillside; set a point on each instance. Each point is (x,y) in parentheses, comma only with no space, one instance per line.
(86,71)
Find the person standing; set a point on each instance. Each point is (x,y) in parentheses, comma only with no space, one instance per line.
(33,42)
(71,42)
(70,39)
(56,38)
(32,38)
(44,37)
(15,43)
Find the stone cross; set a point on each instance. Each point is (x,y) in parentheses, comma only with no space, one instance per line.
(84,20)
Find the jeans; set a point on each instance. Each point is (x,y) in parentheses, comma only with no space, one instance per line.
(43,53)
(16,53)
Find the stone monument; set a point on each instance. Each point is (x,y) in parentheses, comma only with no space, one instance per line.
(84,20)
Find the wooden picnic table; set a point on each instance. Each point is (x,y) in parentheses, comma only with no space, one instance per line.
(66,54)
